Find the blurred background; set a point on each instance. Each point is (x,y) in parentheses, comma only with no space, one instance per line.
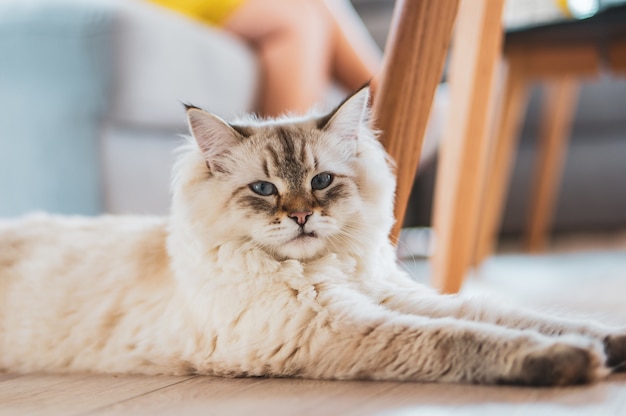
(90,110)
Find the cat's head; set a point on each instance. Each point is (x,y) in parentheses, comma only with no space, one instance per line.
(295,187)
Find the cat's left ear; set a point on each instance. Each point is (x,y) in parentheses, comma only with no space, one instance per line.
(214,136)
(347,120)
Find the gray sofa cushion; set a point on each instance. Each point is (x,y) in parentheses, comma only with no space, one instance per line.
(162,58)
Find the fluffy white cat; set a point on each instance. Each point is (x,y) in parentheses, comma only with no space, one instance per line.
(274,261)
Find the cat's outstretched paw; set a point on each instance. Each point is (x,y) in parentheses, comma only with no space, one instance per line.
(561,364)
(615,349)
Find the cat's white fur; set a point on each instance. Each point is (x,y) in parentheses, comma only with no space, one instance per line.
(207,292)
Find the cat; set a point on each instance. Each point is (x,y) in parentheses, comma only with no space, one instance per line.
(275,261)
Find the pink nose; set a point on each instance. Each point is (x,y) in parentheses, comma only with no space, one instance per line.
(300,217)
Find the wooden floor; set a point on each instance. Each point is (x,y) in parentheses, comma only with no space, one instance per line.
(132,395)
(582,283)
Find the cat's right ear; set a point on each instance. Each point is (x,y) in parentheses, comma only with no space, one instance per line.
(214,136)
(347,120)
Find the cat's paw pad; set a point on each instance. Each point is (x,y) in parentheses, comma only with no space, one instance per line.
(561,364)
(615,349)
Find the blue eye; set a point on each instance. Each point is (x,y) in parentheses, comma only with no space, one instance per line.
(263,188)
(321,181)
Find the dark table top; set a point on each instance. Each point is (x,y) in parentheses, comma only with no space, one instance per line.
(606,25)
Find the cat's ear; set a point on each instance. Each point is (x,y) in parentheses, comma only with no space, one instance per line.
(346,121)
(214,136)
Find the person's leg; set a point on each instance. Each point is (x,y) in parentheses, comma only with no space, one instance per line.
(293,40)
(356,57)
(302,44)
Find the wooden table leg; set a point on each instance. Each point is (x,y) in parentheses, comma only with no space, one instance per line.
(412,68)
(464,152)
(557,115)
(509,118)
(617,56)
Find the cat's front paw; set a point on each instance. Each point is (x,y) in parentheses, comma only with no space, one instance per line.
(615,349)
(560,364)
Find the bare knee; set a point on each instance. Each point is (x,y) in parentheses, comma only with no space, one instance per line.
(261,21)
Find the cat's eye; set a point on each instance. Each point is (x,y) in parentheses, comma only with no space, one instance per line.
(321,181)
(263,188)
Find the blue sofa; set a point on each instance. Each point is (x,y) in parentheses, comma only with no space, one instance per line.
(90,101)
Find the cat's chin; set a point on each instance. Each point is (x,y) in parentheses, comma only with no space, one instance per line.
(304,247)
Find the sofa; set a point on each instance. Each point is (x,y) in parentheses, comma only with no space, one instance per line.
(90,101)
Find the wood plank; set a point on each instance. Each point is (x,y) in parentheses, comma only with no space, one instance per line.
(74,393)
(8,376)
(556,121)
(472,400)
(189,394)
(215,395)
(412,67)
(407,395)
(466,142)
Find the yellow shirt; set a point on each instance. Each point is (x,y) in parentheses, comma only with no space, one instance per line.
(213,12)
